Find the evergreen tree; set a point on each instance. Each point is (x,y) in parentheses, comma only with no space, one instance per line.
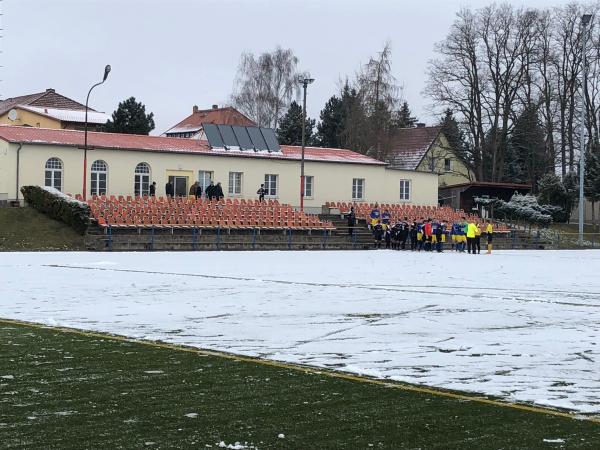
(131,118)
(526,158)
(557,192)
(331,126)
(403,117)
(290,128)
(353,136)
(456,138)
(592,176)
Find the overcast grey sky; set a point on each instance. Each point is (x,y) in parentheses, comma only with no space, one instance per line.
(173,54)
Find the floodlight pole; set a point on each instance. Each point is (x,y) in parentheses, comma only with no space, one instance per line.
(585,19)
(85,133)
(305,82)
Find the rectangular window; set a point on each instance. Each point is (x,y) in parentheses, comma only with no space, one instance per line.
(358,189)
(271,185)
(204,179)
(235,183)
(404,190)
(447,164)
(308,186)
(98,183)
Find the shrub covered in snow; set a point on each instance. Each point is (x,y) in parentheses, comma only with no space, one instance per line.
(58,206)
(522,207)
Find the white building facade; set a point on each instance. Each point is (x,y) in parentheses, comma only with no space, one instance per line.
(120,164)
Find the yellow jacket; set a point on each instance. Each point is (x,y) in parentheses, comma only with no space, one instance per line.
(471,230)
(489,229)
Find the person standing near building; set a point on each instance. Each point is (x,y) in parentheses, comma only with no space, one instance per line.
(210,191)
(219,191)
(262,191)
(169,189)
(193,188)
(153,189)
(351,218)
(198,190)
(489,231)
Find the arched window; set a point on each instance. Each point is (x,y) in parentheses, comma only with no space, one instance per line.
(141,185)
(54,173)
(99,178)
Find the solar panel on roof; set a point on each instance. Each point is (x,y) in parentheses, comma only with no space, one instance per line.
(228,136)
(257,138)
(241,133)
(270,139)
(212,134)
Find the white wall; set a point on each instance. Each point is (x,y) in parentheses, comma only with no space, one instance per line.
(332,181)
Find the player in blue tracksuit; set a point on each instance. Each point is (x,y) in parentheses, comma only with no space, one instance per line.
(374,216)
(385,217)
(457,236)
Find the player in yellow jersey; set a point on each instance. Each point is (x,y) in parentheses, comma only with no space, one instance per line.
(489,231)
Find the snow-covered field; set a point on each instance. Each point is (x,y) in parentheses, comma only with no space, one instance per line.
(522,325)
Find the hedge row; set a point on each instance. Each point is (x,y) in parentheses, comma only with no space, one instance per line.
(58,206)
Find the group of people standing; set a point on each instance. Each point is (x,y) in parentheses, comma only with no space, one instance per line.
(424,234)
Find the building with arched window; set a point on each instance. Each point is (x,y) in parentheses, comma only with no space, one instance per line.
(53,174)
(37,156)
(99,178)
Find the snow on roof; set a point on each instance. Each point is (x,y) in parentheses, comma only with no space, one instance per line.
(69,115)
(185,129)
(410,146)
(117,141)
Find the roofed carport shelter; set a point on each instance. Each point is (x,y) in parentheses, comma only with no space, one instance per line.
(461,196)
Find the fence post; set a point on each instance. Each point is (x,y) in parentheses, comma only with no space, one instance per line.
(289,238)
(514,238)
(194,238)
(354,238)
(219,237)
(110,240)
(324,242)
(537,239)
(152,239)
(253,238)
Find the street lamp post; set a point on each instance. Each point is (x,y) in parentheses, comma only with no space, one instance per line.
(305,82)
(585,19)
(85,142)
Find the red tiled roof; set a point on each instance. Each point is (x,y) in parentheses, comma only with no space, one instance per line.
(46,99)
(222,116)
(410,145)
(116,141)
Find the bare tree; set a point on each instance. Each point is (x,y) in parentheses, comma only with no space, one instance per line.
(498,61)
(265,85)
(379,93)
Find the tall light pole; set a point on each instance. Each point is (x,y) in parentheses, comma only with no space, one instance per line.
(585,19)
(85,144)
(305,82)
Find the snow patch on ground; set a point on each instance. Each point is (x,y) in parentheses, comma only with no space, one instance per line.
(521,325)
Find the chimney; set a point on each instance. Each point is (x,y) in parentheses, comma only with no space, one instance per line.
(420,125)
(195,109)
(50,90)
(215,107)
